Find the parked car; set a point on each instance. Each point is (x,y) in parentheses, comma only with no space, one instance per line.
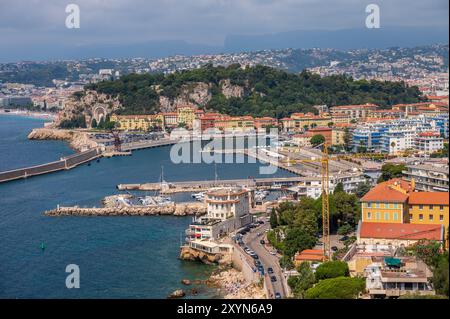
(334,248)
(257,263)
(343,238)
(260,222)
(273,253)
(262,242)
(273,278)
(277,295)
(270,270)
(255,256)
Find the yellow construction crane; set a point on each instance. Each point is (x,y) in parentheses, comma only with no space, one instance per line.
(323,160)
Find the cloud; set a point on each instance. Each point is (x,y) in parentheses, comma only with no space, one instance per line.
(197,21)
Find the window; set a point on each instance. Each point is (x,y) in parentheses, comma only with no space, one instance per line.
(369,205)
(410,216)
(387,205)
(430,217)
(420,216)
(420,207)
(378,216)
(441,217)
(377,205)
(369,215)
(441,207)
(395,216)
(386,216)
(395,205)
(431,207)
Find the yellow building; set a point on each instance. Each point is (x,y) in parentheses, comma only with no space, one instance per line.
(338,136)
(242,123)
(138,122)
(187,114)
(298,121)
(386,203)
(429,208)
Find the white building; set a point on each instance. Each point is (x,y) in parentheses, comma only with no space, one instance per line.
(429,142)
(228,209)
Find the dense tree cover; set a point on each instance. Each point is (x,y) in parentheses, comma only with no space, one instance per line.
(78,121)
(268,91)
(301,283)
(438,261)
(332,269)
(389,171)
(337,288)
(362,189)
(297,224)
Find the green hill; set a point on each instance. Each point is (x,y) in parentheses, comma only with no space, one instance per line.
(257,91)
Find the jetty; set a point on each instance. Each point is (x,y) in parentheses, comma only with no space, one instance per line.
(64,163)
(178,209)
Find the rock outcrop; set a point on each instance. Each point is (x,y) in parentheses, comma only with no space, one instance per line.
(229,90)
(187,253)
(92,105)
(79,141)
(179,293)
(234,285)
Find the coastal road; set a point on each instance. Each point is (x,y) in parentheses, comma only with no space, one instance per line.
(252,240)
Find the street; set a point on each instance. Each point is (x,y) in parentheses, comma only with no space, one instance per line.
(252,241)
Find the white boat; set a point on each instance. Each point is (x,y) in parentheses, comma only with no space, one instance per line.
(199,196)
(156,201)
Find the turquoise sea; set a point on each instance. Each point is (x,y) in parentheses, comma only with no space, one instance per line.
(119,257)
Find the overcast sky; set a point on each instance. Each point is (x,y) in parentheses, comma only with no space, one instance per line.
(197,21)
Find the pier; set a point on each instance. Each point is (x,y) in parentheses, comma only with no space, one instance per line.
(178,209)
(64,163)
(188,186)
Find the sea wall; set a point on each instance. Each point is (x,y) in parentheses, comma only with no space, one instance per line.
(180,209)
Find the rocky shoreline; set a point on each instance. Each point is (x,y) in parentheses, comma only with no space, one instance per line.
(78,141)
(179,209)
(233,285)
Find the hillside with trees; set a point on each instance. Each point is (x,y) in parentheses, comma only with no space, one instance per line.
(256,91)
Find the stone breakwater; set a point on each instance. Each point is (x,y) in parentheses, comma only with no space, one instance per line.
(180,209)
(79,141)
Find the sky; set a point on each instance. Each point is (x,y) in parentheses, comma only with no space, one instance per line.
(31,24)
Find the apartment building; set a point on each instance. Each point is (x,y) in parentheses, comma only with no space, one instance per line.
(355,112)
(428,177)
(429,142)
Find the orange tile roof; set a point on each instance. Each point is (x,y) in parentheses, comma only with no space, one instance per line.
(401,231)
(429,198)
(310,255)
(385,192)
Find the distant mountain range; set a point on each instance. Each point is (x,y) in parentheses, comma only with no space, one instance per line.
(339,39)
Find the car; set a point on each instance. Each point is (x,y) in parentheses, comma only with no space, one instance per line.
(270,270)
(255,256)
(277,295)
(258,234)
(343,238)
(334,248)
(262,242)
(257,263)
(273,253)
(260,222)
(273,278)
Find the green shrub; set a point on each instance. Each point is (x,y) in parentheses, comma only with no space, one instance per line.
(332,269)
(337,288)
